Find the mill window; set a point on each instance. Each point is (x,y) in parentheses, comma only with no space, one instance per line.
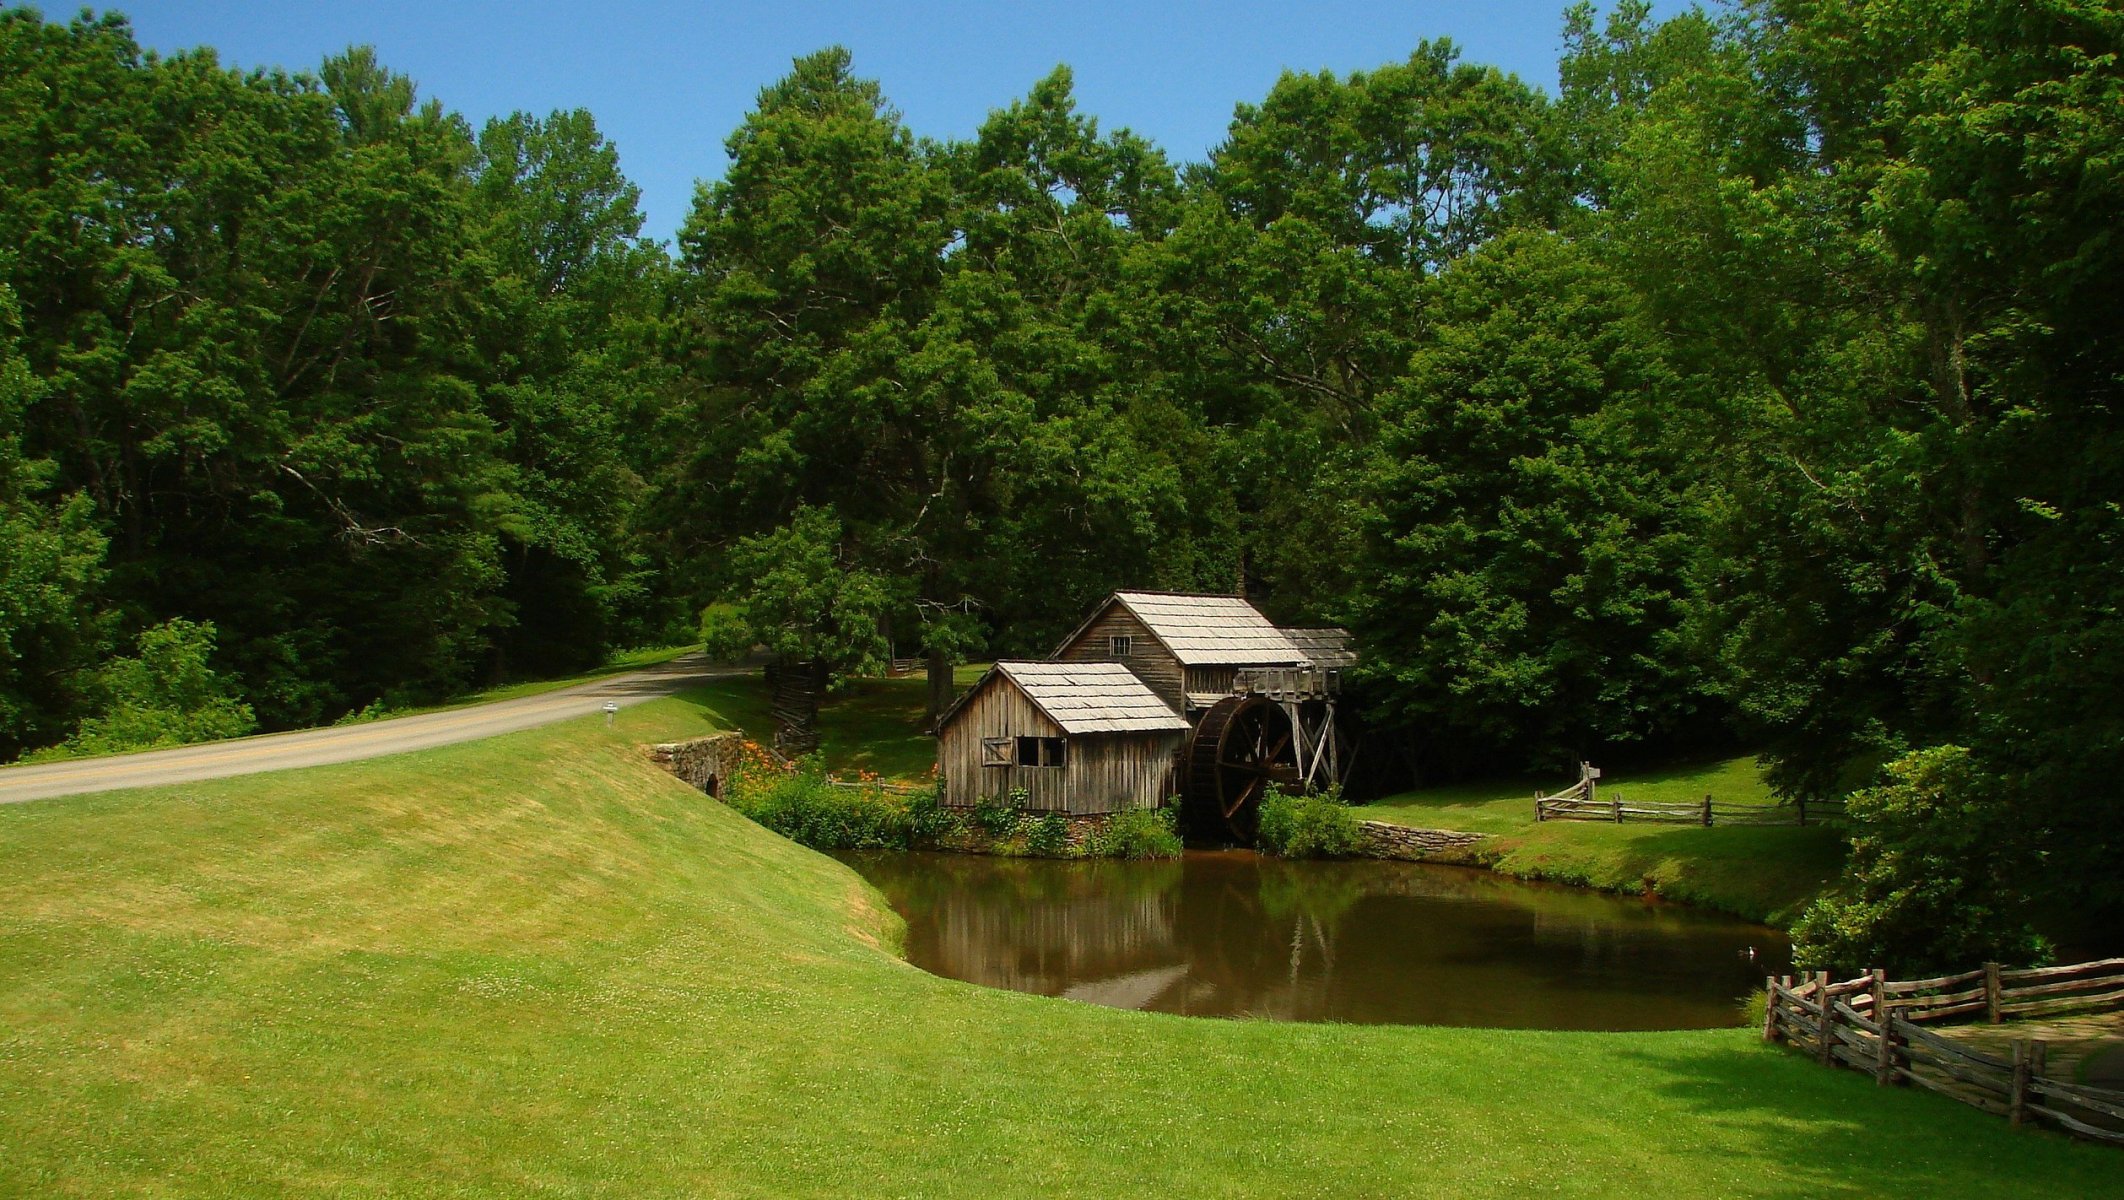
(1042,752)
(1122,644)
(996,752)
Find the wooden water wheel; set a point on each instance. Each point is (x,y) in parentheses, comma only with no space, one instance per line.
(1240,746)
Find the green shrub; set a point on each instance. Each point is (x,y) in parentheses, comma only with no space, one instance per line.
(1751,1008)
(1047,836)
(1306,825)
(1137,833)
(1933,884)
(167,695)
(997,816)
(929,820)
(803,805)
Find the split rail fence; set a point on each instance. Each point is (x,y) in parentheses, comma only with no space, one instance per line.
(1889,1029)
(1582,802)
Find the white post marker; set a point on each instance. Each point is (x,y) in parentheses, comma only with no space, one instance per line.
(611,711)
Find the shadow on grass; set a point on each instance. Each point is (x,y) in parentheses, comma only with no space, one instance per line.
(1820,1131)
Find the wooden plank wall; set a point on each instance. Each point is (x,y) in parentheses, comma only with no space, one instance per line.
(1148,657)
(1104,772)
(1114,771)
(1220,680)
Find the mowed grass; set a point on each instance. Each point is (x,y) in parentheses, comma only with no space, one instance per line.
(875,725)
(538,966)
(1764,873)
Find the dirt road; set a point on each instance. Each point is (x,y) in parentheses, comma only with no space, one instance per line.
(317,747)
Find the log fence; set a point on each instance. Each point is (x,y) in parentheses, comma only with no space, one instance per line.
(1890,1029)
(1582,802)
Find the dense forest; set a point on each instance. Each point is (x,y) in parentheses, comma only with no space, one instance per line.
(1756,388)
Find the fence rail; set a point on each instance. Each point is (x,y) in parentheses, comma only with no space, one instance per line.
(875,785)
(1565,806)
(1884,1027)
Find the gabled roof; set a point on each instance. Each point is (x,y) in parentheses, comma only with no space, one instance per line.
(1103,697)
(1211,631)
(1326,648)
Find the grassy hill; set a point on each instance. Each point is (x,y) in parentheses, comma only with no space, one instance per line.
(538,966)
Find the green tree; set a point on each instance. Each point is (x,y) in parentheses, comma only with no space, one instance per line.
(166,695)
(1521,586)
(51,564)
(577,298)
(812,607)
(1878,243)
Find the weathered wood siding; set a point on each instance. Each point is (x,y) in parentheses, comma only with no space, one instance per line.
(1147,657)
(1109,772)
(996,709)
(1217,680)
(1104,772)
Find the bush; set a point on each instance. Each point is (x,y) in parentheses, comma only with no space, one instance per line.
(802,804)
(1751,1008)
(1936,860)
(997,816)
(1315,825)
(1047,836)
(1137,833)
(929,820)
(165,696)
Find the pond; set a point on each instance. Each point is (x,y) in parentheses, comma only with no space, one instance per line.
(1234,934)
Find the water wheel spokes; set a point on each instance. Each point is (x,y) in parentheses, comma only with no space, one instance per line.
(1240,746)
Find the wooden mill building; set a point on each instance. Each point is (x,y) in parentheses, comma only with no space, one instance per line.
(1155,694)
(1078,738)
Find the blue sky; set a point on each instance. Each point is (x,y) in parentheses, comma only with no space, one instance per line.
(668,81)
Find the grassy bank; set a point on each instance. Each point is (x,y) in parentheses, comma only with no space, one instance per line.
(538,966)
(874,725)
(1763,873)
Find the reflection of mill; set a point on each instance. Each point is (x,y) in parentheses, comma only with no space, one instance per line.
(1127,938)
(1090,924)
(1231,934)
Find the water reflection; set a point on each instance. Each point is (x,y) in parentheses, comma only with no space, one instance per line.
(1232,934)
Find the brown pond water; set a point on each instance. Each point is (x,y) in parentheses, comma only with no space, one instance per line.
(1232,934)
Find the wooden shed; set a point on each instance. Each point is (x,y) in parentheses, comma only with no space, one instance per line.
(1189,649)
(1079,738)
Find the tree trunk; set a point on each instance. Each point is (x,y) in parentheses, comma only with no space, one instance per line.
(940,689)
(793,687)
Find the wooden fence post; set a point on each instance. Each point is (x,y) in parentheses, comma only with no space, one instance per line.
(1801,803)
(1618,810)
(1827,1014)
(1707,810)
(2017,1093)
(1884,1046)
(1538,814)
(1991,993)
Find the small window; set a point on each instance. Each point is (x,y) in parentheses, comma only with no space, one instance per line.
(1123,645)
(1041,752)
(996,752)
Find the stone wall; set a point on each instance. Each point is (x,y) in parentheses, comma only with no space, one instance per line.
(1377,839)
(704,762)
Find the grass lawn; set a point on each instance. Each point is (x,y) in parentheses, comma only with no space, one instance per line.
(1762,873)
(536,965)
(871,725)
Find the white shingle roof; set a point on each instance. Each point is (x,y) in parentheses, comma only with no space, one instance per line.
(1326,648)
(1212,631)
(1103,697)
